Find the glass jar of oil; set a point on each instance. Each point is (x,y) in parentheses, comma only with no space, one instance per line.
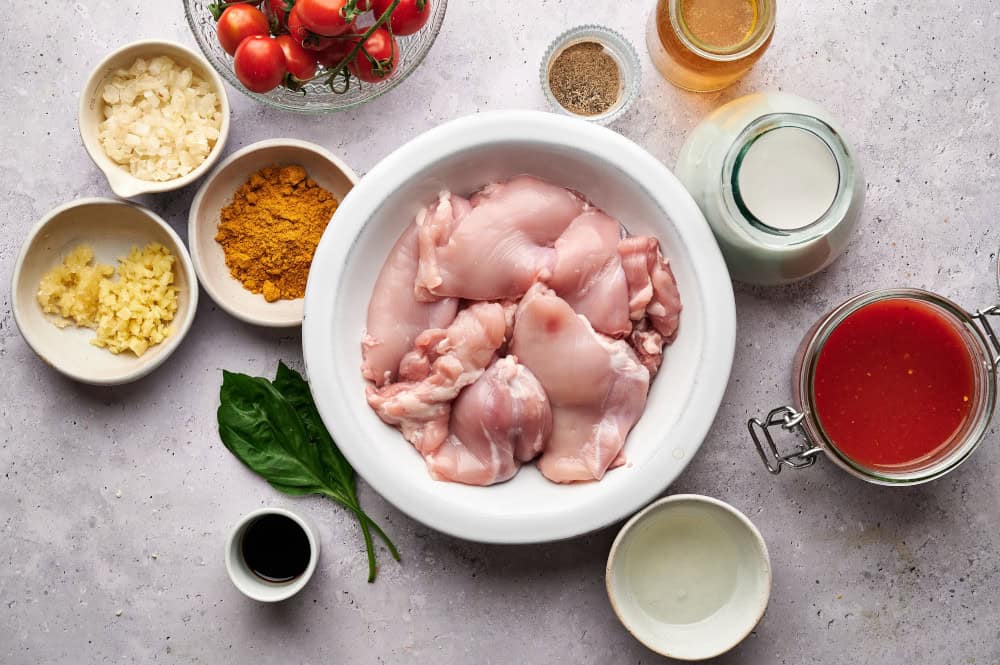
(706,45)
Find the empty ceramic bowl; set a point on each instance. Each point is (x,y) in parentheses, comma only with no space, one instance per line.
(217,191)
(111,228)
(91,114)
(689,576)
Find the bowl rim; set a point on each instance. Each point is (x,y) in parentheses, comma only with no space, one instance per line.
(434,24)
(671,502)
(123,183)
(169,345)
(194,223)
(464,135)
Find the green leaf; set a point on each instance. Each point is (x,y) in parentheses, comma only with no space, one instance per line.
(263,430)
(296,391)
(275,429)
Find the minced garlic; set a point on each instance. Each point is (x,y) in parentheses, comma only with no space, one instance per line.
(130,314)
(135,312)
(72,289)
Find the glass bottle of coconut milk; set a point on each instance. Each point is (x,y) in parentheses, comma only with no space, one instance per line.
(777,182)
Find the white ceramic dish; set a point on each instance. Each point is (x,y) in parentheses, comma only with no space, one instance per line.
(111,228)
(91,113)
(616,175)
(689,576)
(217,192)
(250,584)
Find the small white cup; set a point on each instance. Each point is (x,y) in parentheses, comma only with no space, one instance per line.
(250,584)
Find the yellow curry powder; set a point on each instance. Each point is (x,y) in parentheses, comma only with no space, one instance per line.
(270,231)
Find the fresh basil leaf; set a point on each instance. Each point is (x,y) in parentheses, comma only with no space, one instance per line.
(296,391)
(262,429)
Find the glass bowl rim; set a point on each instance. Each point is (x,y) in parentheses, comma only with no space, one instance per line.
(434,25)
(622,51)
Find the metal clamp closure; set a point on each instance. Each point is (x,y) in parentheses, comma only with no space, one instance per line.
(982,316)
(789,420)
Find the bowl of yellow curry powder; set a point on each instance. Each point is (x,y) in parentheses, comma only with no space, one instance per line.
(255,223)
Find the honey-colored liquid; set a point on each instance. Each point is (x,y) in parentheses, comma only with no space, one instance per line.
(719,24)
(719,30)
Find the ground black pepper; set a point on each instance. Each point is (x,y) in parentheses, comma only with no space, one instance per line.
(584,79)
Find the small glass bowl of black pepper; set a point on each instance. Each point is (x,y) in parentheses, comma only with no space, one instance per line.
(591,72)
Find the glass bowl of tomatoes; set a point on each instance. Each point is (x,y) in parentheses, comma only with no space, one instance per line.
(318,56)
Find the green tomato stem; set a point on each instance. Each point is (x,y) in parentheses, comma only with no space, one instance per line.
(216,8)
(382,20)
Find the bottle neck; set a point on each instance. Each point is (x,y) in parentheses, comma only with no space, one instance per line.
(788,175)
(681,19)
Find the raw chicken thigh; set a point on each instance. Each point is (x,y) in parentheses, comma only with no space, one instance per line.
(596,386)
(456,358)
(562,328)
(654,302)
(501,247)
(588,273)
(498,422)
(652,289)
(395,318)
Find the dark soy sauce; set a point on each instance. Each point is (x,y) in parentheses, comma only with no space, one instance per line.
(275,548)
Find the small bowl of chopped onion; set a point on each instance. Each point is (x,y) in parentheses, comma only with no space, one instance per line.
(154,117)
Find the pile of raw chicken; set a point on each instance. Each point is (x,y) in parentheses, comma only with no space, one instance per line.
(517,325)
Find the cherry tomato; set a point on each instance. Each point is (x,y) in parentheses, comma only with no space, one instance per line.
(335,53)
(237,23)
(260,63)
(300,63)
(364,5)
(278,11)
(408,17)
(327,18)
(302,35)
(381,47)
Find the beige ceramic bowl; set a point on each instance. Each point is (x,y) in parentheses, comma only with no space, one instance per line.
(111,228)
(217,191)
(689,576)
(91,114)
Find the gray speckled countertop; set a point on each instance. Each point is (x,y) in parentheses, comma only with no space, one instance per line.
(861,573)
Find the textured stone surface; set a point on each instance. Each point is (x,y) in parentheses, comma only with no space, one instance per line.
(861,573)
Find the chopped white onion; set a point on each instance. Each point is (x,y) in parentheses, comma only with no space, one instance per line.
(161,119)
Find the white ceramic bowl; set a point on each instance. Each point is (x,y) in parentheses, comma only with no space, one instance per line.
(91,113)
(111,228)
(464,155)
(689,576)
(217,192)
(250,584)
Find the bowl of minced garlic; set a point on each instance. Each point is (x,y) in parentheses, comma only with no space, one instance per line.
(256,222)
(103,291)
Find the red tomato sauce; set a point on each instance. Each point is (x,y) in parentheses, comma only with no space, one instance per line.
(893,383)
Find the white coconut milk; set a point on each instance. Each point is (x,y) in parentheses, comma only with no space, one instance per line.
(788,178)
